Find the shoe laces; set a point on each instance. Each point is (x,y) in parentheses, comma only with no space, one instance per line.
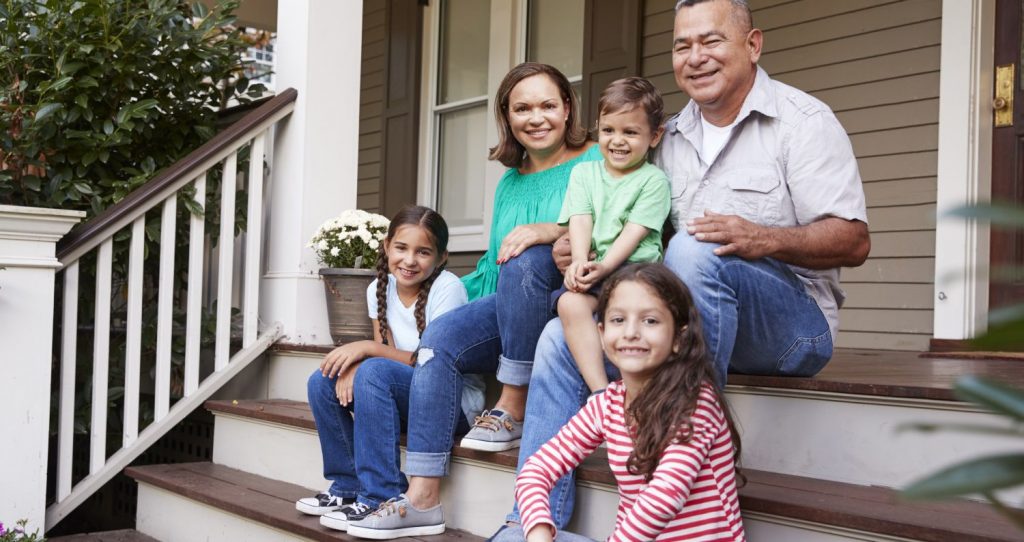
(491,422)
(359,508)
(391,506)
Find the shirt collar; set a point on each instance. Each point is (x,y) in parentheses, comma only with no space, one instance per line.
(761,98)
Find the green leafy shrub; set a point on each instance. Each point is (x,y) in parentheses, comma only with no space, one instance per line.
(97,95)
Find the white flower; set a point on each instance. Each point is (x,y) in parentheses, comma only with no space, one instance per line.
(341,232)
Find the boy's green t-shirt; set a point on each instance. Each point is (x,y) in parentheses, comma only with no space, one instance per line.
(641,197)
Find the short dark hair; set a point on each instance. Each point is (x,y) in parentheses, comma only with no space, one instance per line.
(509,151)
(632,92)
(740,11)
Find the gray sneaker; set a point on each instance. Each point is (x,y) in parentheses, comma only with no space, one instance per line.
(494,431)
(397,518)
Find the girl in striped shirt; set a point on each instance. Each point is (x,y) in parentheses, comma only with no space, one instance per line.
(668,431)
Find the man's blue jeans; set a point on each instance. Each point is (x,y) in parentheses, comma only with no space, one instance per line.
(496,332)
(757,319)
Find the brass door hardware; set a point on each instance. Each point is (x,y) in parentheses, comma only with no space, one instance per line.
(1002,104)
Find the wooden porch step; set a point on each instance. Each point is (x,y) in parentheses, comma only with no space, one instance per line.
(888,373)
(862,508)
(123,535)
(254,497)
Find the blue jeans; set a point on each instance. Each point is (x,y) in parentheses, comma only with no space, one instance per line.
(757,316)
(496,332)
(359,442)
(776,329)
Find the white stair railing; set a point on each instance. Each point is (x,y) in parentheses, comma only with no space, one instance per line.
(98,236)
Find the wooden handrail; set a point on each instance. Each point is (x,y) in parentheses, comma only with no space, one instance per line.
(123,211)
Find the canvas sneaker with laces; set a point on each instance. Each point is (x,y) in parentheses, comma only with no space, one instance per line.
(397,518)
(340,519)
(321,504)
(493,431)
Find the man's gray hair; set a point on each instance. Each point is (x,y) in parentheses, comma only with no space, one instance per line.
(740,10)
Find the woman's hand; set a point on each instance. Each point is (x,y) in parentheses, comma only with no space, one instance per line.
(343,357)
(345,385)
(523,237)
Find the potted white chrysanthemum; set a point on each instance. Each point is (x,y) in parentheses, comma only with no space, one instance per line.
(347,247)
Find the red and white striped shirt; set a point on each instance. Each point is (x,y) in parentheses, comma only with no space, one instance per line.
(692,495)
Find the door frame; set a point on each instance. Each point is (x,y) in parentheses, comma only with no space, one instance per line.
(964,168)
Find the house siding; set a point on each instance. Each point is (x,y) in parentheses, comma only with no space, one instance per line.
(876,63)
(371,105)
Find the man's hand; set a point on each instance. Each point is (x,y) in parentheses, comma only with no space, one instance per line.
(738,236)
(561,252)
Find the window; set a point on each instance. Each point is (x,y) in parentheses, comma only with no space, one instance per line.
(470,45)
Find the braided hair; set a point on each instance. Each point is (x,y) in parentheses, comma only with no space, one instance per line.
(437,229)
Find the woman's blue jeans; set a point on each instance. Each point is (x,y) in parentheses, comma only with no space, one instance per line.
(496,332)
(757,318)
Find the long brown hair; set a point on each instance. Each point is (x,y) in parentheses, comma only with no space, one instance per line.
(437,228)
(509,151)
(660,413)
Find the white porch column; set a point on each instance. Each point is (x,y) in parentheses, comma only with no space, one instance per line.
(964,168)
(28,238)
(315,155)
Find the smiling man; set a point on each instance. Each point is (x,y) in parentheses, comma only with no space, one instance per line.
(768,205)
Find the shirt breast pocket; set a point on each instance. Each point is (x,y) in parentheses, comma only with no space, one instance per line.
(754,195)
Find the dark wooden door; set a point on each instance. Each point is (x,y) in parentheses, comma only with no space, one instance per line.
(400,119)
(1008,158)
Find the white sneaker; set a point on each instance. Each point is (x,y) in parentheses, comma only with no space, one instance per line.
(321,504)
(340,519)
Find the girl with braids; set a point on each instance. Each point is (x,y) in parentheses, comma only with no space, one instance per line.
(671,441)
(359,395)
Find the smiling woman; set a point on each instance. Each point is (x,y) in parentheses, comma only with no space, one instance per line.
(540,140)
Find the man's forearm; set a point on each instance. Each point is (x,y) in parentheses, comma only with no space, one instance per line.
(827,243)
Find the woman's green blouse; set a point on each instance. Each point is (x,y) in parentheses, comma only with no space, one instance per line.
(521,199)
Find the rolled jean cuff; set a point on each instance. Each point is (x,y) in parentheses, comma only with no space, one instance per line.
(514,372)
(513,517)
(431,465)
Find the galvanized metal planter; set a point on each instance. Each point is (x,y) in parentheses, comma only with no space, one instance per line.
(346,303)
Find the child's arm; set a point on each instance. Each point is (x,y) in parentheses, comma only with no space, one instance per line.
(620,251)
(581,231)
(669,489)
(347,355)
(564,452)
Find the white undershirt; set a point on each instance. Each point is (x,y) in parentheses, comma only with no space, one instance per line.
(714,139)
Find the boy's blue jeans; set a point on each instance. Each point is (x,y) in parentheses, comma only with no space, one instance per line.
(496,332)
(757,319)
